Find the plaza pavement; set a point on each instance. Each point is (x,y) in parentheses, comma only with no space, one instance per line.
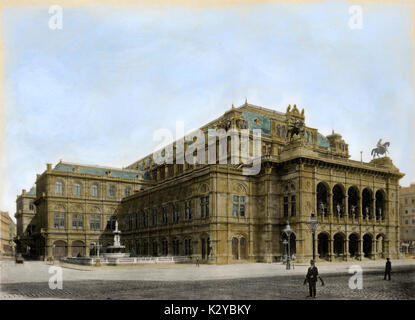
(37,271)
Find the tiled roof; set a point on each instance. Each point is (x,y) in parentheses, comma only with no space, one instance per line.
(97,171)
(32,191)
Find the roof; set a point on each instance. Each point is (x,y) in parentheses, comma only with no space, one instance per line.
(97,171)
(32,191)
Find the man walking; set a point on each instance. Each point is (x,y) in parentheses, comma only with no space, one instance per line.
(197,261)
(311,278)
(388,269)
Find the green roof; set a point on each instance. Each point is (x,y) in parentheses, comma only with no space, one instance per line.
(32,191)
(97,171)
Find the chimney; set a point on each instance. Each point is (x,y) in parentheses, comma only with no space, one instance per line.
(49,167)
(23,191)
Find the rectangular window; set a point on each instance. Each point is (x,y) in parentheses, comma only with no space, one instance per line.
(238,207)
(187,210)
(165,215)
(204,207)
(77,189)
(293,206)
(127,191)
(59,221)
(235,210)
(111,191)
(285,206)
(77,221)
(175,213)
(154,217)
(95,190)
(95,222)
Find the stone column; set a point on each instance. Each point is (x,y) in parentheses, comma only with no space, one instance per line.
(69,248)
(346,207)
(331,248)
(361,254)
(329,206)
(374,249)
(373,210)
(346,248)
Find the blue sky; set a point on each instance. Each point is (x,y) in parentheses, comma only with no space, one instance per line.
(95,91)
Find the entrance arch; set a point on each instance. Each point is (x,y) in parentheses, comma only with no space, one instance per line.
(338,244)
(353,245)
(322,198)
(380,205)
(60,250)
(353,202)
(338,197)
(323,245)
(78,248)
(367,245)
(367,203)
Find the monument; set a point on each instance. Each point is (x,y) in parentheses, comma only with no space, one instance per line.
(116,250)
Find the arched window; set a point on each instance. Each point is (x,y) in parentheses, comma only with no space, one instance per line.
(77,189)
(59,187)
(279,131)
(94,190)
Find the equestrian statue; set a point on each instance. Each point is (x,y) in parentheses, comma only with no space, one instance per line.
(381,148)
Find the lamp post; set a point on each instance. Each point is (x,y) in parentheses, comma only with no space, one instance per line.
(313,225)
(288,232)
(53,253)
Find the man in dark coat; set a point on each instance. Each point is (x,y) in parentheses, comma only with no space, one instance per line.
(311,278)
(388,269)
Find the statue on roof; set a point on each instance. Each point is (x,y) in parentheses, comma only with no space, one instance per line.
(297,127)
(381,148)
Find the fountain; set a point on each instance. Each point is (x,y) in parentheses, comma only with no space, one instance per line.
(116,250)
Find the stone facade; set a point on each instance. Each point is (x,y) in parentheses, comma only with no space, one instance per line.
(216,213)
(407,214)
(25,219)
(76,207)
(356,203)
(7,233)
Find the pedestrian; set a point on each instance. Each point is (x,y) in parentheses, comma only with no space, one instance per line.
(388,269)
(311,278)
(197,261)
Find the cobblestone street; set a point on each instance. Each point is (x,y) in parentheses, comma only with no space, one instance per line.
(119,284)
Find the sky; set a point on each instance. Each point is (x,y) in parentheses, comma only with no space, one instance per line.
(96,90)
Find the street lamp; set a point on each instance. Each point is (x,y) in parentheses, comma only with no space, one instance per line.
(53,253)
(288,232)
(313,225)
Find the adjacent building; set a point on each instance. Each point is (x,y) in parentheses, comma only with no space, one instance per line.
(216,211)
(76,206)
(7,233)
(407,214)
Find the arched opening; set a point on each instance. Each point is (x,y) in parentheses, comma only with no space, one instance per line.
(380,205)
(322,199)
(78,248)
(338,205)
(59,249)
(367,245)
(353,245)
(323,245)
(338,244)
(235,253)
(353,202)
(367,203)
(243,248)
